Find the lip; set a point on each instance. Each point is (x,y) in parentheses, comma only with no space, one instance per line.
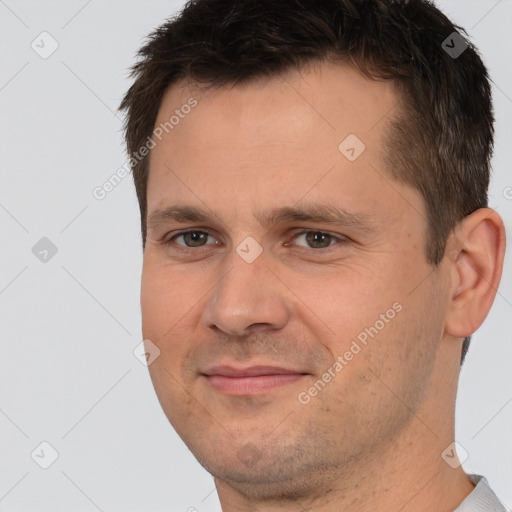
(250,371)
(250,380)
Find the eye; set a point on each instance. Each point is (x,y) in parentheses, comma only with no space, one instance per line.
(317,239)
(192,238)
(314,239)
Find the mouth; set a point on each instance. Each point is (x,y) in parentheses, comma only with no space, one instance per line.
(251,380)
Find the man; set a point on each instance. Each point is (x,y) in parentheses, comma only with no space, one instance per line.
(312,179)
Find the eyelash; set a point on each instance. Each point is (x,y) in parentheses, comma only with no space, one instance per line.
(170,241)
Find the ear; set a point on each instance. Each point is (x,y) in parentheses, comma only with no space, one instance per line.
(475,252)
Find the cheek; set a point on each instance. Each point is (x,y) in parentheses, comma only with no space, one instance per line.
(163,299)
(162,309)
(347,301)
(154,305)
(170,305)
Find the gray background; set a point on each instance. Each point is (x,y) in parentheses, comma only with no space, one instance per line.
(69,324)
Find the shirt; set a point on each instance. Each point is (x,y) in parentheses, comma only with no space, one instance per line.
(481,499)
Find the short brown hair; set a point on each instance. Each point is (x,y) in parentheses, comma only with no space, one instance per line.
(440,138)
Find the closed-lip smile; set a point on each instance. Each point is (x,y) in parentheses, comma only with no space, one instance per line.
(250,380)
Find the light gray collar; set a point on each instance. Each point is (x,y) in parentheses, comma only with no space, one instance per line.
(481,499)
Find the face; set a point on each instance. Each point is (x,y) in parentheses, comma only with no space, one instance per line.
(286,332)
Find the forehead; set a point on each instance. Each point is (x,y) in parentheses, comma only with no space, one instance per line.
(273,140)
(329,99)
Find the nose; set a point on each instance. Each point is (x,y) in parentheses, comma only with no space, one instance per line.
(248,296)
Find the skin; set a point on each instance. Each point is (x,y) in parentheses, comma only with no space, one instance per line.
(373,437)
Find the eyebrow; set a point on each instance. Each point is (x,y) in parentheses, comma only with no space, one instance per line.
(314,213)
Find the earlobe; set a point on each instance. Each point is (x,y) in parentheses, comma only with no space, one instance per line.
(477,251)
